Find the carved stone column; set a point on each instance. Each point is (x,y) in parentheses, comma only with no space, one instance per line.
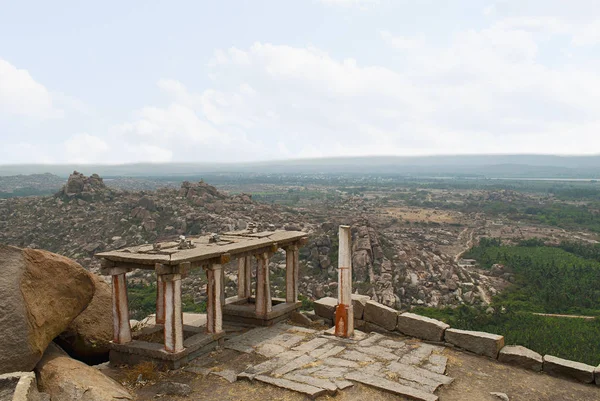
(173,328)
(160,300)
(120,306)
(244,277)
(263,286)
(291,273)
(214,307)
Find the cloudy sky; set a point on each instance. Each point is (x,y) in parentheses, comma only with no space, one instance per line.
(243,80)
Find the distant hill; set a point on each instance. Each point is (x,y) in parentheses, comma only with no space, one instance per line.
(29,185)
(488,166)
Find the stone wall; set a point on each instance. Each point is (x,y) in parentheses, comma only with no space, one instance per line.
(374,316)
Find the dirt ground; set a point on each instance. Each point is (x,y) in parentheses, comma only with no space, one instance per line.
(475,377)
(413,214)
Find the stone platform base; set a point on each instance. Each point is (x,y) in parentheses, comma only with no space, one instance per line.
(242,310)
(198,342)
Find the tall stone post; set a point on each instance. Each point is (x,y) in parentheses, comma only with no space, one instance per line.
(344,315)
(214,307)
(245,277)
(263,287)
(120,306)
(160,300)
(173,328)
(291,274)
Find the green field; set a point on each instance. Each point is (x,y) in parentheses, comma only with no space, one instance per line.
(548,280)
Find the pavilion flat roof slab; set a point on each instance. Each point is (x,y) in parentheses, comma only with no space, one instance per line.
(230,243)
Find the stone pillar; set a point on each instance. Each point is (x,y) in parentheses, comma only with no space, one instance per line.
(244,277)
(263,286)
(160,300)
(344,315)
(120,305)
(173,328)
(291,274)
(214,307)
(222,287)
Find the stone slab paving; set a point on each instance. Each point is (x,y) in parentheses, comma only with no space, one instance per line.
(314,363)
(391,386)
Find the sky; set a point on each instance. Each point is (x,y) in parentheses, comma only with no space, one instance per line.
(250,80)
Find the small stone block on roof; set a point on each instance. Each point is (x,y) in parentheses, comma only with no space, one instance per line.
(563,367)
(421,327)
(325,307)
(521,356)
(476,341)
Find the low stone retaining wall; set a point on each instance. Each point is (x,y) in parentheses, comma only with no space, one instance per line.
(373,316)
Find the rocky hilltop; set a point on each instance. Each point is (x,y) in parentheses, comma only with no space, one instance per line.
(397,266)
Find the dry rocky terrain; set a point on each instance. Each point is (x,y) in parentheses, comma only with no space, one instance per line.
(395,262)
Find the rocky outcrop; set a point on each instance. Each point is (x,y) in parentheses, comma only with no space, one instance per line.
(88,336)
(199,191)
(400,268)
(66,379)
(41,294)
(78,185)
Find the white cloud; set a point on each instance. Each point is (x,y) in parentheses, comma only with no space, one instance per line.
(192,127)
(587,34)
(21,95)
(85,148)
(22,152)
(401,42)
(347,3)
(486,91)
(501,85)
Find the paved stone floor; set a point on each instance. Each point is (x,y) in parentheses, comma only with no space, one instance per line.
(318,362)
(314,362)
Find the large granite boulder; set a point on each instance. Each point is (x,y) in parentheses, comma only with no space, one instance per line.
(67,379)
(88,336)
(41,294)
